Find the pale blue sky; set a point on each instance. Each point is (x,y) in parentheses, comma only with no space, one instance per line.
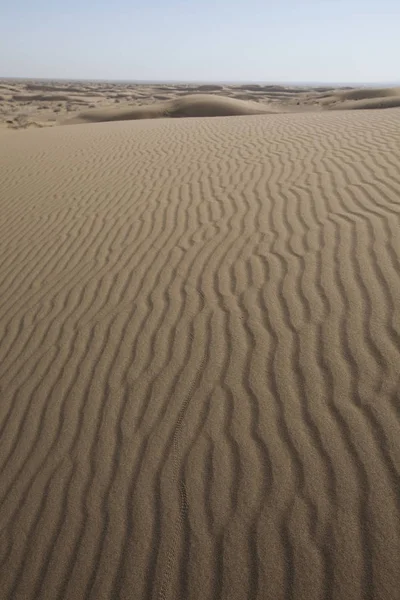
(208,40)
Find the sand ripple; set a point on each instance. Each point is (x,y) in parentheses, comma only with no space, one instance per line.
(199,359)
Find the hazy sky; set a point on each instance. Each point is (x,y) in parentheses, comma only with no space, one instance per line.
(224,40)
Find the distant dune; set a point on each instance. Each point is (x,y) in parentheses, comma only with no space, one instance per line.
(199,357)
(364,98)
(43,98)
(26,104)
(193,105)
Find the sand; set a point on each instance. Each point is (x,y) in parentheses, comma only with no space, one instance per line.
(363,98)
(199,359)
(27,104)
(192,105)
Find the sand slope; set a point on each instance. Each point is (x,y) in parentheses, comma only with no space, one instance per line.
(199,359)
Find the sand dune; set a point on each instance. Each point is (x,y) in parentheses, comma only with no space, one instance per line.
(41,97)
(47,103)
(191,105)
(49,87)
(209,88)
(364,98)
(368,93)
(369,103)
(199,359)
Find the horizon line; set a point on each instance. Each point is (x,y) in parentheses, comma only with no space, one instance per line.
(203,81)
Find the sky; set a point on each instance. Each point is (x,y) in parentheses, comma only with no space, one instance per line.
(354,41)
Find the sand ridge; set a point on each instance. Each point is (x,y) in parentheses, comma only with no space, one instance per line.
(199,359)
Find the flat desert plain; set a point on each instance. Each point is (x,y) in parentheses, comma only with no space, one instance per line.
(199,345)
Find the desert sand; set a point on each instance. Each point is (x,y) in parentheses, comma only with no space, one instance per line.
(36,104)
(199,357)
(192,105)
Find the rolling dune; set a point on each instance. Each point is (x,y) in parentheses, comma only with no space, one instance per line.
(25,104)
(191,105)
(364,98)
(199,359)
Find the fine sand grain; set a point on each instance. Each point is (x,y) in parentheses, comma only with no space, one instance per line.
(199,359)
